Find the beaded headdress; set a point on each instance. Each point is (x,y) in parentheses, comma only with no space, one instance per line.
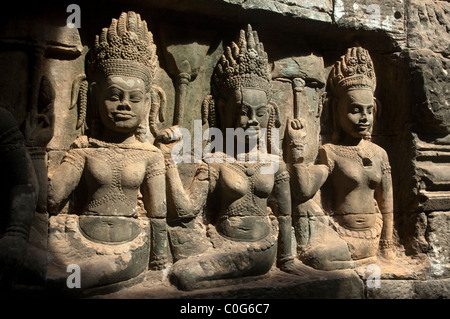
(243,65)
(125,48)
(354,70)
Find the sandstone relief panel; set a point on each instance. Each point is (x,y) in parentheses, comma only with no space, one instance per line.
(242,149)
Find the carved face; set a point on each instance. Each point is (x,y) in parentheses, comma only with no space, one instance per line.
(123,103)
(251,113)
(356,113)
(251,105)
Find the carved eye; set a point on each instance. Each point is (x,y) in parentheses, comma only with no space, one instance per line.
(114,97)
(136,98)
(355,110)
(261,111)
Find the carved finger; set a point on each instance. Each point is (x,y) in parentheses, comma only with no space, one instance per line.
(302,123)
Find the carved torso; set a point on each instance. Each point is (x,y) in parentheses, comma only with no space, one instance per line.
(243,193)
(113,175)
(355,174)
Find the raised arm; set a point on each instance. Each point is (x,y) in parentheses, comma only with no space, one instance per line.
(280,203)
(183,203)
(305,179)
(187,203)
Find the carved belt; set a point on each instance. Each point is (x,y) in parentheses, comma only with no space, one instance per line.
(109,229)
(371,233)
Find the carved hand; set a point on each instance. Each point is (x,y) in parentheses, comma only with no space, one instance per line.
(295,137)
(167,139)
(39,124)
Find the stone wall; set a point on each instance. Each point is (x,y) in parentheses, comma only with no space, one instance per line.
(409,42)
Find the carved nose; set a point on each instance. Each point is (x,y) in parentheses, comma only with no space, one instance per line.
(363,117)
(252,121)
(124,105)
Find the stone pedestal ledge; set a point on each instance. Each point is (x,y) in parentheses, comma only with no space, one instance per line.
(343,284)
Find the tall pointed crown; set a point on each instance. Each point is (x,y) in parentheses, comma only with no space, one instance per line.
(243,65)
(354,70)
(125,48)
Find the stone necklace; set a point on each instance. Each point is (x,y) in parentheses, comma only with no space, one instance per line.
(360,154)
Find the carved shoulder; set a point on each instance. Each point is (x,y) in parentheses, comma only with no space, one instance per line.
(382,155)
(80,142)
(326,156)
(378,151)
(155,163)
(76,157)
(282,174)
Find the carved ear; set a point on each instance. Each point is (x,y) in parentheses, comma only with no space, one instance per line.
(76,89)
(79,96)
(377,107)
(208,111)
(162,102)
(157,108)
(275,113)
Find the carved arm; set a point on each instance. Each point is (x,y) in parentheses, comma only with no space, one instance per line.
(384,198)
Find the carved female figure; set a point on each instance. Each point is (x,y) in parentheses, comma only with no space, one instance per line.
(357,193)
(241,233)
(108,234)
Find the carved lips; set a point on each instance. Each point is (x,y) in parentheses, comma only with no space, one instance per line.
(123,116)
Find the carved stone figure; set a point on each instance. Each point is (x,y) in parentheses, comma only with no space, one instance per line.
(18,199)
(240,234)
(24,188)
(355,173)
(107,232)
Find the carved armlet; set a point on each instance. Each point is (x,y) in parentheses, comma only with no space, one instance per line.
(385,168)
(282,177)
(75,159)
(168,162)
(154,170)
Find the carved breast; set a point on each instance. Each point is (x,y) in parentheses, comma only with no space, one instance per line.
(238,180)
(243,194)
(105,167)
(352,175)
(113,178)
(355,176)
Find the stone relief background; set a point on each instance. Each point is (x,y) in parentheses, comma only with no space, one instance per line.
(409,42)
